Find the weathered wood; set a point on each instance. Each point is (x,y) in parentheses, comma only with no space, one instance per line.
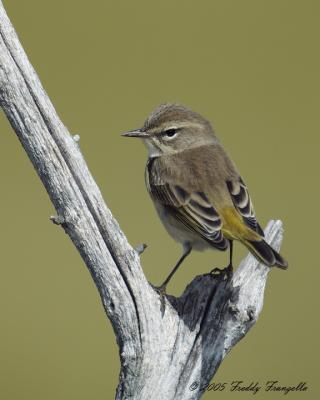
(169,356)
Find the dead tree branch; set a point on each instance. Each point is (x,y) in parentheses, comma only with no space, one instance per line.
(170,356)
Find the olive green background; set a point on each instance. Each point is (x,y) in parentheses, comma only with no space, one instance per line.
(251,67)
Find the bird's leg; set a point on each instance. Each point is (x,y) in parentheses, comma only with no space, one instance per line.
(162,288)
(186,251)
(228,271)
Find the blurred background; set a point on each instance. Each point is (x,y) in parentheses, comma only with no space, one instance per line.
(252,68)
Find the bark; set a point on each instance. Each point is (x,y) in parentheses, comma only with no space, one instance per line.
(170,355)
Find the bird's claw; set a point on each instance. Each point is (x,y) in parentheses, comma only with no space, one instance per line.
(225,273)
(161,290)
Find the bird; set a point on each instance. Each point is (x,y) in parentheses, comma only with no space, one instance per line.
(197,191)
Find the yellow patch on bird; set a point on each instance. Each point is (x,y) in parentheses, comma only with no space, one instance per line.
(233,226)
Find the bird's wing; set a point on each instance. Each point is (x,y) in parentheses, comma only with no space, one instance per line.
(193,210)
(242,202)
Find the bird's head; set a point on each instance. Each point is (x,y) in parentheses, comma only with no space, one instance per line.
(172,128)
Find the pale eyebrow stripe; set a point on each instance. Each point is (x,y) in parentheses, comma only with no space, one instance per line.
(174,125)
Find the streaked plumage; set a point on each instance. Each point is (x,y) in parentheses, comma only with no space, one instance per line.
(198,193)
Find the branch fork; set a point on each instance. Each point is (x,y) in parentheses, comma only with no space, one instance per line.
(162,356)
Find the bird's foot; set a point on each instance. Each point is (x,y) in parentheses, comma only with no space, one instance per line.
(225,273)
(161,290)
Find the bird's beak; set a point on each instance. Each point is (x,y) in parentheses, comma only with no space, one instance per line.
(139,133)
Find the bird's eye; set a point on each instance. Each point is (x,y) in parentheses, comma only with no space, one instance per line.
(170,132)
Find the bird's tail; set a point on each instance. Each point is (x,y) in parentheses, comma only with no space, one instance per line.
(266,254)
